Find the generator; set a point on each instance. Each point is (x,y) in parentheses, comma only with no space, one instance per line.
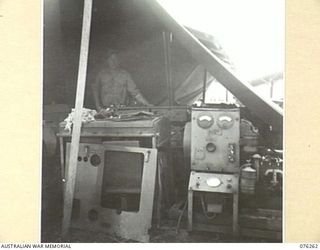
(235,183)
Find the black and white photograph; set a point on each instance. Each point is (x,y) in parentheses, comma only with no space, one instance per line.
(162,121)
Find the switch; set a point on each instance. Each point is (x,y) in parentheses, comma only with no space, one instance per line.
(198,182)
(232,152)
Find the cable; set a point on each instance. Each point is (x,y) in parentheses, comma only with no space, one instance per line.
(203,208)
(205,211)
(180,216)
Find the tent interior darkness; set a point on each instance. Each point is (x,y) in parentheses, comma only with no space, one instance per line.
(128,26)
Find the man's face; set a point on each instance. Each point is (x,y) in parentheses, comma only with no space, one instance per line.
(113,61)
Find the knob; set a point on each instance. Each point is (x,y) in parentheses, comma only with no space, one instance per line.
(211,147)
(95,160)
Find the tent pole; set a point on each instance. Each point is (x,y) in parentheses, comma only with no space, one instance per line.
(204,86)
(75,139)
(167,40)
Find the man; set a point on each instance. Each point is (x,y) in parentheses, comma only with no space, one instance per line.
(113,84)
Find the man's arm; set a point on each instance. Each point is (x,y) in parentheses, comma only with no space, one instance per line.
(95,90)
(140,98)
(135,92)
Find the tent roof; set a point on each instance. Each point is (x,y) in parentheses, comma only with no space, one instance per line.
(135,28)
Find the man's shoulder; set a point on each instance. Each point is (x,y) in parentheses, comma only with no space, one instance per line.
(124,73)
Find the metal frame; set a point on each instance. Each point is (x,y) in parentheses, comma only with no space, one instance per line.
(193,187)
(130,225)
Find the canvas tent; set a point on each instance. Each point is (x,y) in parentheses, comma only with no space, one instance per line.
(136,29)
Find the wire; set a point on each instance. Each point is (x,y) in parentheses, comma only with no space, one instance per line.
(180,216)
(203,208)
(205,211)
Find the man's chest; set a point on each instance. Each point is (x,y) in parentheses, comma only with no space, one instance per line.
(116,80)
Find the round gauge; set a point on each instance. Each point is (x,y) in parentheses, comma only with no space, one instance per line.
(205,120)
(225,121)
(214,182)
(95,160)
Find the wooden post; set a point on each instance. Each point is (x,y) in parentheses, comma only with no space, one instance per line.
(167,40)
(204,86)
(82,73)
(271,89)
(190,209)
(62,160)
(235,212)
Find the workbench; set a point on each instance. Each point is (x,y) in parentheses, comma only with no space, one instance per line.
(156,130)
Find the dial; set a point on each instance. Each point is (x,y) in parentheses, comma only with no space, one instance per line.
(225,121)
(205,120)
(214,182)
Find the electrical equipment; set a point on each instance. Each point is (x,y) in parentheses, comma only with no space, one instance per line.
(208,182)
(114,189)
(215,137)
(261,194)
(213,143)
(213,183)
(116,186)
(271,174)
(215,140)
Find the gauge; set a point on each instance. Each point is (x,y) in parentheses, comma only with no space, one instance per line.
(225,121)
(214,182)
(205,120)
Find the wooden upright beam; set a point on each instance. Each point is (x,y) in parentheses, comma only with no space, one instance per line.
(82,73)
(167,41)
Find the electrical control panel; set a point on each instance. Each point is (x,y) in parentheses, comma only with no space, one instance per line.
(211,182)
(215,136)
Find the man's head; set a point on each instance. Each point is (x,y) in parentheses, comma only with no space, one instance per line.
(112,59)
